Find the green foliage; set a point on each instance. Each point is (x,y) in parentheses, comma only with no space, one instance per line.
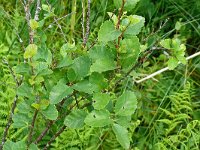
(71,95)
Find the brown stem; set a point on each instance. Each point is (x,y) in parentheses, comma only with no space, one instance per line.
(32,127)
(54,137)
(9,122)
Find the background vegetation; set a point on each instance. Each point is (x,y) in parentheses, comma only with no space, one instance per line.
(168,106)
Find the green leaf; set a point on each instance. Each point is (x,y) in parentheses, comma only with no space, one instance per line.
(21,120)
(123,120)
(108,32)
(85,86)
(66,48)
(129,4)
(23,68)
(100,100)
(166,43)
(178,25)
(31,50)
(50,112)
(98,80)
(34,24)
(126,104)
(102,65)
(101,52)
(9,145)
(98,118)
(71,75)
(24,90)
(75,119)
(172,63)
(129,52)
(41,69)
(121,135)
(58,92)
(81,66)
(136,24)
(65,62)
(33,147)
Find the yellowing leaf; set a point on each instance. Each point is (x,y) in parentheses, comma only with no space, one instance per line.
(31,51)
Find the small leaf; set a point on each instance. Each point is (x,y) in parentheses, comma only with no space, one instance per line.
(123,120)
(58,92)
(136,24)
(98,80)
(108,32)
(75,119)
(122,135)
(129,4)
(100,100)
(178,25)
(166,43)
(31,51)
(126,104)
(85,86)
(50,112)
(34,24)
(102,65)
(23,68)
(36,106)
(98,118)
(24,90)
(9,145)
(81,66)
(172,63)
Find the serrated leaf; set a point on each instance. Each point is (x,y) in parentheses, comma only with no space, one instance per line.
(67,48)
(129,4)
(58,92)
(101,52)
(166,43)
(126,104)
(98,79)
(137,22)
(81,66)
(75,119)
(65,62)
(9,145)
(172,63)
(31,50)
(85,86)
(121,135)
(50,112)
(102,65)
(98,118)
(123,120)
(129,52)
(21,120)
(100,100)
(33,147)
(23,68)
(34,24)
(108,32)
(24,90)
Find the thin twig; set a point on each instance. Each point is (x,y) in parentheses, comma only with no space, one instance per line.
(55,136)
(164,69)
(9,122)
(120,14)
(32,126)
